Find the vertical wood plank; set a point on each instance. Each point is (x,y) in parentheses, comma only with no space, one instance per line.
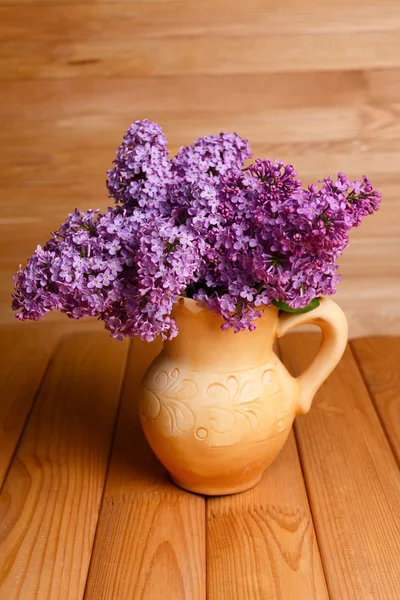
(50,501)
(150,540)
(24,356)
(352,479)
(261,544)
(379,361)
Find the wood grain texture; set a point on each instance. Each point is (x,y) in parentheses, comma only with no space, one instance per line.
(352,479)
(225,18)
(24,356)
(261,544)
(64,535)
(201,55)
(268,4)
(150,538)
(316,84)
(379,361)
(51,497)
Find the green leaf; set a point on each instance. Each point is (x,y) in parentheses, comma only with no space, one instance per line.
(285,307)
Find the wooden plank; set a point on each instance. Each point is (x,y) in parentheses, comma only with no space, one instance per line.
(24,356)
(379,361)
(51,497)
(261,544)
(185,55)
(74,2)
(62,101)
(253,126)
(150,539)
(161,20)
(384,86)
(370,304)
(291,129)
(352,479)
(224,5)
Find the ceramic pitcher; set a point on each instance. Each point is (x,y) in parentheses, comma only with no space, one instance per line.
(217,406)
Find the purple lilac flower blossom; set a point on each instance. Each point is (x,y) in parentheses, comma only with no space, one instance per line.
(142,168)
(201,225)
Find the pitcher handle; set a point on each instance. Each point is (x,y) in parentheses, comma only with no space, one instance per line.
(333,323)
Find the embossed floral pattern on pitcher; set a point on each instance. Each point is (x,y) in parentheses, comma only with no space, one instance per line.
(217,407)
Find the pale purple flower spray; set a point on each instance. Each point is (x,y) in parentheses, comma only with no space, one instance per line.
(201,225)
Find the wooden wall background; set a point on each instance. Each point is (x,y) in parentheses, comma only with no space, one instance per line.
(312,82)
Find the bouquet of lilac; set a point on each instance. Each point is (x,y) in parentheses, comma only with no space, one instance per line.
(200,225)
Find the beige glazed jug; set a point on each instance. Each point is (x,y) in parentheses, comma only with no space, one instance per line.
(217,407)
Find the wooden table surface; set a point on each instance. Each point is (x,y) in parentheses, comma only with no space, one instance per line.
(86,511)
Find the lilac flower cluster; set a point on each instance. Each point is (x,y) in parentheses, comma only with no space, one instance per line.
(276,241)
(199,225)
(142,169)
(124,269)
